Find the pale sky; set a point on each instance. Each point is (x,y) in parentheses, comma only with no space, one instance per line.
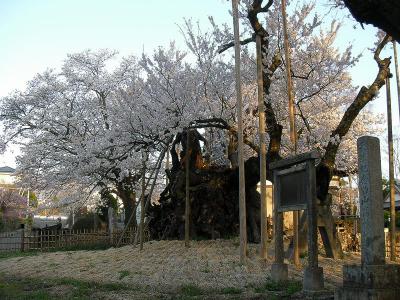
(38,34)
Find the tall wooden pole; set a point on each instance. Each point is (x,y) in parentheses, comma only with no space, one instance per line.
(263,151)
(397,81)
(167,165)
(397,73)
(391,175)
(242,192)
(187,200)
(292,125)
(142,201)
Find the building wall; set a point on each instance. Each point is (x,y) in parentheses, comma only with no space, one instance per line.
(7,178)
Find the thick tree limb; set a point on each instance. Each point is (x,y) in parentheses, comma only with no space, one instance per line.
(364,96)
(326,167)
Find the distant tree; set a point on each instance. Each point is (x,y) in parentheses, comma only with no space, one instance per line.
(385,187)
(77,133)
(12,209)
(11,199)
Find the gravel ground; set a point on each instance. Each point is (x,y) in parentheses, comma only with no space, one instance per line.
(165,266)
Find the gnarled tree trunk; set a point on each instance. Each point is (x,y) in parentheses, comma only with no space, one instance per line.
(213,197)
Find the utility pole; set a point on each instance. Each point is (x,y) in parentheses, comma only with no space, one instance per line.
(263,151)
(292,125)
(239,104)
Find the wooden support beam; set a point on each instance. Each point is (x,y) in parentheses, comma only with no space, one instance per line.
(239,104)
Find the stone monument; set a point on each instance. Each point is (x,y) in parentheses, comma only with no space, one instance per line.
(373,279)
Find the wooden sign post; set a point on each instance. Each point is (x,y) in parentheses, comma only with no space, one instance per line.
(295,189)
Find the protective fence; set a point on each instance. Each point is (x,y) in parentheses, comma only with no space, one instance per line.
(45,240)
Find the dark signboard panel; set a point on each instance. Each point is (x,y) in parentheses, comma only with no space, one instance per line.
(293,190)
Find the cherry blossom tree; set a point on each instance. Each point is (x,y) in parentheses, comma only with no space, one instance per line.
(83,129)
(66,123)
(329,108)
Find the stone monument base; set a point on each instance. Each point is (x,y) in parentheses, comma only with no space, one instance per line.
(374,282)
(313,279)
(279,272)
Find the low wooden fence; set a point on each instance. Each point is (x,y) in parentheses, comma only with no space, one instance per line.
(11,241)
(46,240)
(387,244)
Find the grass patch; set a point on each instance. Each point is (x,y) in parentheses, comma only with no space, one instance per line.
(191,290)
(21,289)
(288,287)
(11,254)
(294,287)
(43,289)
(123,274)
(231,291)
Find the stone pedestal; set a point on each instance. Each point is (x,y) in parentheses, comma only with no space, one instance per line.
(279,272)
(313,279)
(380,282)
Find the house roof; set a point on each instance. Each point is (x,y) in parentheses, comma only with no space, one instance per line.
(6,169)
(386,201)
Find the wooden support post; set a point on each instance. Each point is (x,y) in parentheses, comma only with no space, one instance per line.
(142,201)
(263,151)
(239,104)
(313,279)
(167,165)
(312,218)
(279,270)
(187,198)
(111,225)
(292,124)
(396,64)
(23,239)
(391,174)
